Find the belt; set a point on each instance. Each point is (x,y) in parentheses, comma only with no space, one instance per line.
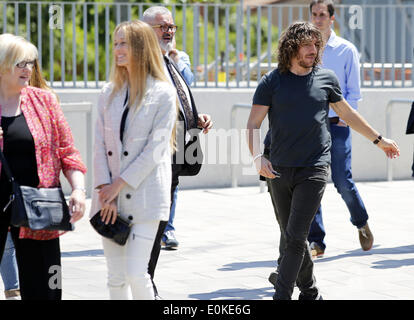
(334,120)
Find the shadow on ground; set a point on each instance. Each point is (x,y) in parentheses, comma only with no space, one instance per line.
(236,294)
(83,253)
(247,265)
(377,250)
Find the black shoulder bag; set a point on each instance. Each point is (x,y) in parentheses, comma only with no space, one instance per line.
(36,208)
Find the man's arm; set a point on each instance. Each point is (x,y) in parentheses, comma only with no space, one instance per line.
(257,114)
(359,124)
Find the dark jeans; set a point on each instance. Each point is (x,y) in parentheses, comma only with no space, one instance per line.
(297,195)
(269,189)
(341,158)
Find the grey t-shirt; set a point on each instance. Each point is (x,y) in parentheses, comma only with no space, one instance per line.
(298,115)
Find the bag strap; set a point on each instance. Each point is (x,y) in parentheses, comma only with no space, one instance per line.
(6,167)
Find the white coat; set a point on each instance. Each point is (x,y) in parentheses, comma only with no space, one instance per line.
(143,160)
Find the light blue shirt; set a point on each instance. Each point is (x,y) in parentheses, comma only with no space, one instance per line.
(184,66)
(342,57)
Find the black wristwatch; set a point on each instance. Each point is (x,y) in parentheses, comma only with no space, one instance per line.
(377,140)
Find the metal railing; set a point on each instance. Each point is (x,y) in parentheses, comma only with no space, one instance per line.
(230,45)
(388,115)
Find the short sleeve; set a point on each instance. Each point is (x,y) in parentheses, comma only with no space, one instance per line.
(263,93)
(335,93)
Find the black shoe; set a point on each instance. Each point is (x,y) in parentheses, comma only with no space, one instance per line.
(273,277)
(304,297)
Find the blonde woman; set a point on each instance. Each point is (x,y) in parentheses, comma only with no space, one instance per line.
(132,155)
(38,145)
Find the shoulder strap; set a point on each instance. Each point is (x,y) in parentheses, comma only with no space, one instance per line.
(6,167)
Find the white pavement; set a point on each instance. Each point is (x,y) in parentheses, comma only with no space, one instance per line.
(229,243)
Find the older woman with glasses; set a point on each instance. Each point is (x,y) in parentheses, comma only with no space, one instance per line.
(37,143)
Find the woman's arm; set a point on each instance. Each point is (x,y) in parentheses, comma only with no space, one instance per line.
(78,195)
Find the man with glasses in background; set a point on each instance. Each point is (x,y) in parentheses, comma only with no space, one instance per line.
(190,121)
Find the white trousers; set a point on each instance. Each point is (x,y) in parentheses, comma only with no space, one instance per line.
(128,265)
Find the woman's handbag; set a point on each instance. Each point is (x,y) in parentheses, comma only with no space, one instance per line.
(37,209)
(117,232)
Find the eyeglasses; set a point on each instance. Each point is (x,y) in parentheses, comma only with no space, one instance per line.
(23,64)
(166,27)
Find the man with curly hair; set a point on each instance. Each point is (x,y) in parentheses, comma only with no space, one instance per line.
(296,96)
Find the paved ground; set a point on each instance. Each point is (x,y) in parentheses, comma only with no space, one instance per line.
(228,246)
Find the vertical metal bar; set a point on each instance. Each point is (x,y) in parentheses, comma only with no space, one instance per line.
(74,44)
(290,15)
(196,41)
(129,12)
(184,34)
(412,47)
(342,19)
(5,17)
(403,26)
(39,32)
(205,45)
(227,46)
(248,44)
(141,10)
(392,44)
(238,35)
(97,43)
(372,50)
(300,13)
(107,42)
(173,11)
(362,59)
(16,18)
(269,37)
(241,49)
(383,24)
(85,46)
(216,49)
(62,47)
(28,29)
(51,56)
(118,14)
(258,42)
(280,20)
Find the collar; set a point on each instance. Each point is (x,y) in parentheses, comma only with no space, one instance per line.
(332,41)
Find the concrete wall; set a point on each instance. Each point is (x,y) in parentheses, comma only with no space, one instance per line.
(369,162)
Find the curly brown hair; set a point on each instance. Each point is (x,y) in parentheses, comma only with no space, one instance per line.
(295,36)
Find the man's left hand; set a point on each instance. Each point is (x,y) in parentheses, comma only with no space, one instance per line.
(204,122)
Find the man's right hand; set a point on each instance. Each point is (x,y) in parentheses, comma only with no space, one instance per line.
(389,147)
(264,167)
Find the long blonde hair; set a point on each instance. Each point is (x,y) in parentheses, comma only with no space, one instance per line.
(146,60)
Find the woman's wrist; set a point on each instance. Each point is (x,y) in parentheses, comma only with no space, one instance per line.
(79,188)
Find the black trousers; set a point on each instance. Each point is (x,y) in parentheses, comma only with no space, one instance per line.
(156,249)
(38,262)
(39,266)
(297,194)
